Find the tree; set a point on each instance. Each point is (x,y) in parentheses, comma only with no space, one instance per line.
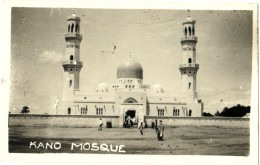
(217,113)
(235,111)
(25,110)
(207,114)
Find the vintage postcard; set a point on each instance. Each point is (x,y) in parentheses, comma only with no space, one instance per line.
(121,83)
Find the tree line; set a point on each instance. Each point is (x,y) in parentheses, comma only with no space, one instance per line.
(235,111)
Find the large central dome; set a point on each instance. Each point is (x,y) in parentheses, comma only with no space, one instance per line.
(130,69)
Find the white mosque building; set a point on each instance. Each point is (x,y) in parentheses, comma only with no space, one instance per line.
(129,97)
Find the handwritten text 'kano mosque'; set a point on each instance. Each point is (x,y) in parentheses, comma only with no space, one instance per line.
(79,146)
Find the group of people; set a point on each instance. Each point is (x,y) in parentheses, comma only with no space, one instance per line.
(129,122)
(159,128)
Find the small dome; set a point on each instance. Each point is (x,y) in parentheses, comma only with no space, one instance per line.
(130,69)
(189,20)
(157,88)
(73,17)
(102,87)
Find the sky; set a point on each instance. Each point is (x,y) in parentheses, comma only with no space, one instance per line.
(224,52)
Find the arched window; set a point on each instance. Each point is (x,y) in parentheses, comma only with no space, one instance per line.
(185,31)
(77,28)
(189,30)
(69,28)
(71,57)
(190,111)
(69,111)
(189,60)
(72,27)
(193,32)
(189,85)
(160,112)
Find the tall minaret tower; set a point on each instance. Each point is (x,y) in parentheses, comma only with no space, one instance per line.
(71,61)
(188,67)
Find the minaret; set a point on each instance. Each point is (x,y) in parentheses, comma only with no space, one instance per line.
(188,67)
(71,60)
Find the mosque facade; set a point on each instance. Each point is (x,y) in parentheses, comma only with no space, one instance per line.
(129,97)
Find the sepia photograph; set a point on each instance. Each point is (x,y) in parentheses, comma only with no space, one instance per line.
(132,81)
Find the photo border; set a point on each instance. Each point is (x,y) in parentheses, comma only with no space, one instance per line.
(124,159)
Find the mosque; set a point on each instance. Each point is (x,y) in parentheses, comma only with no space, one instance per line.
(129,96)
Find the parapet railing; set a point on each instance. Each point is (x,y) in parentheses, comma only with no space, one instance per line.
(73,35)
(189,38)
(74,62)
(59,116)
(114,116)
(189,65)
(196,118)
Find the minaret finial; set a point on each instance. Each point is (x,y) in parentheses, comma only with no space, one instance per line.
(188,12)
(74,10)
(130,55)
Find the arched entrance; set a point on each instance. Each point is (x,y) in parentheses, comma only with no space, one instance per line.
(131,111)
(130,100)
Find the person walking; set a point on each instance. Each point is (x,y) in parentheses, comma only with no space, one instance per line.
(128,122)
(141,128)
(160,131)
(100,123)
(156,126)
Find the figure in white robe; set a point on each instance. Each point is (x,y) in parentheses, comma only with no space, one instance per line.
(100,123)
(160,131)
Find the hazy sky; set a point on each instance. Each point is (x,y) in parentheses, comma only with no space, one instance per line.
(224,52)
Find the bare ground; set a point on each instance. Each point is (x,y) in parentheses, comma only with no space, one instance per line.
(181,140)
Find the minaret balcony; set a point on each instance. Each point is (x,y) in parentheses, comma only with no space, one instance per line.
(73,35)
(189,39)
(73,62)
(196,66)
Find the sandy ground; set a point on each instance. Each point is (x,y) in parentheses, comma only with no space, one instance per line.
(181,140)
